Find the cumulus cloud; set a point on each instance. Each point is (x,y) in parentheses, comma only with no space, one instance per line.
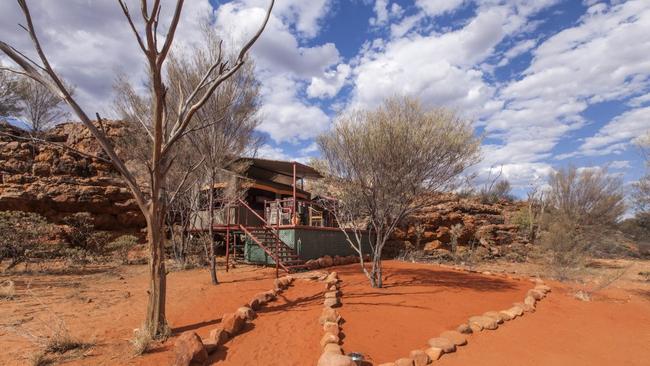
(618,133)
(330,83)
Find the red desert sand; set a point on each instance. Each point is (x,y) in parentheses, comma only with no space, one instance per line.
(418,302)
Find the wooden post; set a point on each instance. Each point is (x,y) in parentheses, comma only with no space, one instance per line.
(277,244)
(294,220)
(227,237)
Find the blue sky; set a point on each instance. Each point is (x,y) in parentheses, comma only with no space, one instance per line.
(546,82)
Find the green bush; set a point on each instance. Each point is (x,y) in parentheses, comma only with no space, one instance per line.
(81,234)
(121,246)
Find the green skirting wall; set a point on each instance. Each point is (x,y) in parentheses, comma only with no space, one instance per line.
(309,243)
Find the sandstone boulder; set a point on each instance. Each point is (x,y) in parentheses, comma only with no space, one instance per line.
(404,362)
(232,323)
(419,357)
(329,315)
(332,302)
(189,350)
(484,321)
(328,338)
(331,327)
(536,294)
(464,329)
(332,347)
(500,318)
(434,353)
(218,336)
(455,337)
(334,359)
(444,344)
(246,313)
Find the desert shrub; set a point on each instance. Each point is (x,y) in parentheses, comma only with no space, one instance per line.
(7,290)
(121,246)
(21,236)
(494,193)
(82,236)
(584,207)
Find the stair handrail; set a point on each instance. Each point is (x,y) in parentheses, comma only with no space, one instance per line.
(275,256)
(264,222)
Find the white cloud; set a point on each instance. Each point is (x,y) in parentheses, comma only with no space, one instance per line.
(602,58)
(618,133)
(640,100)
(381,13)
(330,84)
(437,7)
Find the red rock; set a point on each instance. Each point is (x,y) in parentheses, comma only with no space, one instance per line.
(189,350)
(232,323)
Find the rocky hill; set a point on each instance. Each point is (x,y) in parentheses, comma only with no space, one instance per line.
(482,225)
(55,182)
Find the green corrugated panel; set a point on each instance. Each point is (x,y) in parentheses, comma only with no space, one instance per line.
(309,244)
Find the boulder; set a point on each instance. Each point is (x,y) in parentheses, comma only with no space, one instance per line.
(189,350)
(543,288)
(325,261)
(279,285)
(312,264)
(464,329)
(444,344)
(332,347)
(419,357)
(334,359)
(261,299)
(331,327)
(232,323)
(218,336)
(329,338)
(246,312)
(332,276)
(484,321)
(530,301)
(332,302)
(500,318)
(456,337)
(332,294)
(506,315)
(254,304)
(329,315)
(536,294)
(434,353)
(404,362)
(525,307)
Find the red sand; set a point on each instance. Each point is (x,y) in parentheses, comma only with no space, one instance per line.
(418,302)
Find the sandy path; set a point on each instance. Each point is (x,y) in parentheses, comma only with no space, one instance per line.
(285,333)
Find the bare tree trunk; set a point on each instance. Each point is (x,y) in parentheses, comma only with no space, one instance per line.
(155,320)
(213,261)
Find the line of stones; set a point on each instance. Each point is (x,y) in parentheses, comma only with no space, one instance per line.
(190,349)
(449,340)
(330,319)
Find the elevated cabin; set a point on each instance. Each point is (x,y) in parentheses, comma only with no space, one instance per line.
(264,215)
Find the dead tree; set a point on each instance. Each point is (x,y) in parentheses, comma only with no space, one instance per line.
(380,164)
(163,129)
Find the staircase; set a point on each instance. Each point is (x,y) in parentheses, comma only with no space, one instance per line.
(267,238)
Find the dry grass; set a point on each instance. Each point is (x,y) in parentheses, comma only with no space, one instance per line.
(7,290)
(141,341)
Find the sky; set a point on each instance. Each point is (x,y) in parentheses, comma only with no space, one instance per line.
(547,83)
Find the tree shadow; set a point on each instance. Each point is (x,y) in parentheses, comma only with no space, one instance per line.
(185,328)
(221,352)
(405,277)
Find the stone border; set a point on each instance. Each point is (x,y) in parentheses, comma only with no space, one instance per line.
(449,340)
(327,261)
(190,349)
(330,319)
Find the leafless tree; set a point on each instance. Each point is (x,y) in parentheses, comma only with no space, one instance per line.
(223,128)
(534,210)
(163,128)
(40,107)
(380,164)
(9,94)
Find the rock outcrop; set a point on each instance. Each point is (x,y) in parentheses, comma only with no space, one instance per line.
(469,220)
(55,182)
